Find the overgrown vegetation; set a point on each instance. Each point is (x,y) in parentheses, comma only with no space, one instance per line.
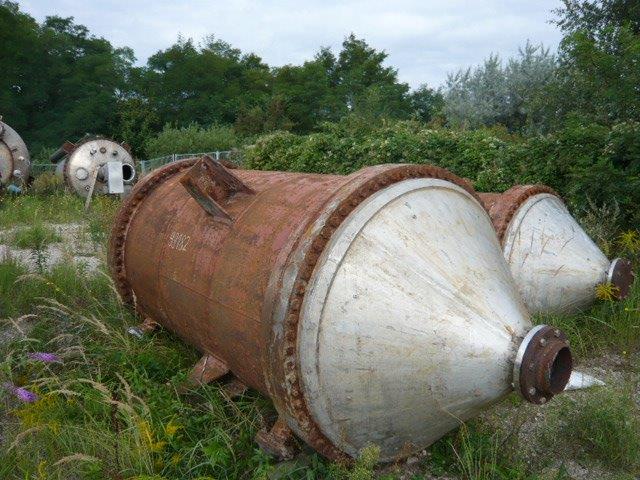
(233,96)
(191,139)
(35,236)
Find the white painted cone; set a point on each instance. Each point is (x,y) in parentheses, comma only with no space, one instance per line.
(555,264)
(581,381)
(411,320)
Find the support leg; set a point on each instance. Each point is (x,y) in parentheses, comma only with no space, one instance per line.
(278,441)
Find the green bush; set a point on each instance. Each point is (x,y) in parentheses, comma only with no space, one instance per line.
(191,139)
(46,184)
(585,162)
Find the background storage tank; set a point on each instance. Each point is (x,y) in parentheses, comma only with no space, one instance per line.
(95,165)
(553,261)
(372,308)
(14,157)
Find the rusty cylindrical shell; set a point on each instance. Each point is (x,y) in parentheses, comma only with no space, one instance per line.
(555,264)
(365,306)
(15,162)
(76,164)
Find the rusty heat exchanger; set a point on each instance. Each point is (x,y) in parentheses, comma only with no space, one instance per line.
(373,308)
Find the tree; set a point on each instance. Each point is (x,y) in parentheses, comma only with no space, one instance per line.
(58,81)
(599,60)
(494,93)
(327,88)
(206,84)
(426,103)
(365,85)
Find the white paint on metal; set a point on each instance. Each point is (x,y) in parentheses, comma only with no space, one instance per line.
(15,162)
(88,157)
(411,320)
(580,380)
(555,264)
(82,173)
(115,182)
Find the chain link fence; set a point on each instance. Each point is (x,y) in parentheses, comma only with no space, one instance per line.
(145,166)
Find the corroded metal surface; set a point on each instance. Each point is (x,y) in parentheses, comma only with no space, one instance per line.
(235,284)
(555,264)
(82,164)
(622,276)
(543,364)
(15,161)
(503,207)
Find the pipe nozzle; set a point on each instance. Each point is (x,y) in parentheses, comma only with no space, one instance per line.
(543,364)
(621,276)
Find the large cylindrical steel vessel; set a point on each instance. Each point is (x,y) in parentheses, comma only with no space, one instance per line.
(555,264)
(15,162)
(83,166)
(372,308)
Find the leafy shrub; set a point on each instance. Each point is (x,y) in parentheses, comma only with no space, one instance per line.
(191,139)
(583,161)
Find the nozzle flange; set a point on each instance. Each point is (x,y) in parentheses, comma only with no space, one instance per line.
(543,364)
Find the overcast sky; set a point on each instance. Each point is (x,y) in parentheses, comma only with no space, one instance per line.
(425,39)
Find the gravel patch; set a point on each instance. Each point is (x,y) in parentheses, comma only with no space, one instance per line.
(76,247)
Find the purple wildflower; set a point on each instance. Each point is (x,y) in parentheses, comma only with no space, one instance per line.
(44,357)
(21,393)
(25,395)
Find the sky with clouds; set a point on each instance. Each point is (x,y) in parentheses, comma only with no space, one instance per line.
(425,39)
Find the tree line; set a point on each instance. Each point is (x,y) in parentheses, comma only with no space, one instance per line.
(59,82)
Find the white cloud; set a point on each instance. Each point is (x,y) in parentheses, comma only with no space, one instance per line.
(424,39)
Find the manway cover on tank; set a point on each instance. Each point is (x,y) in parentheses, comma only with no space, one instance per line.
(555,264)
(14,156)
(374,308)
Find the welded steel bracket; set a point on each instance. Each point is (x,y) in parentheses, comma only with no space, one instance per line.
(234,388)
(66,149)
(207,370)
(210,184)
(278,441)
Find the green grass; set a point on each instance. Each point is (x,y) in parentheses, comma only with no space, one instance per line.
(601,425)
(35,237)
(609,326)
(112,407)
(58,207)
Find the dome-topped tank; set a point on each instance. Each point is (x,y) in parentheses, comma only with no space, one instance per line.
(14,156)
(373,308)
(95,165)
(555,264)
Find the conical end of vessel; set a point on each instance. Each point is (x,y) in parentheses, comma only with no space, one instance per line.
(555,264)
(411,323)
(621,276)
